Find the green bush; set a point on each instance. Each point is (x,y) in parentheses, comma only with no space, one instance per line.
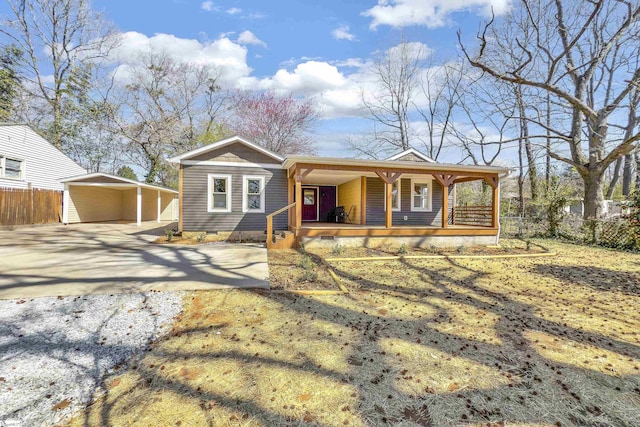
(338,249)
(169,234)
(402,250)
(305,263)
(200,237)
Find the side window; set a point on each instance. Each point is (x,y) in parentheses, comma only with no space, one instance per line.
(421,195)
(219,196)
(11,168)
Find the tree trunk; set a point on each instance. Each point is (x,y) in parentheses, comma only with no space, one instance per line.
(614,178)
(627,175)
(637,156)
(593,200)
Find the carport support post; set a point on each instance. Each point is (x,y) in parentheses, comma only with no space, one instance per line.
(159,205)
(139,206)
(65,205)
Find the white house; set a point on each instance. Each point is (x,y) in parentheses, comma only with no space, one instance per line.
(27,160)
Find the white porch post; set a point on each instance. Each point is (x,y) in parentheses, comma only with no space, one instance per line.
(65,205)
(139,206)
(159,205)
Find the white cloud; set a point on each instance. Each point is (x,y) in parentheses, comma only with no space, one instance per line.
(308,77)
(343,33)
(247,37)
(229,58)
(209,6)
(429,13)
(234,11)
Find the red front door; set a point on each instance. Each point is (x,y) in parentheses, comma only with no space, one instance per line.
(309,204)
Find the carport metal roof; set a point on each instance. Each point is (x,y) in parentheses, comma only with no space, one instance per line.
(105,180)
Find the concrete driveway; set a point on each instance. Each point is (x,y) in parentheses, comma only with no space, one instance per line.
(86,259)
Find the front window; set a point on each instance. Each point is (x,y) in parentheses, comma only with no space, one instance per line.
(253,194)
(219,193)
(10,168)
(421,195)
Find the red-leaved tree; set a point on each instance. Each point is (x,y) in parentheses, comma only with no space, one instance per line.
(279,123)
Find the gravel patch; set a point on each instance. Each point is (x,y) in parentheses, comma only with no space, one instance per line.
(55,352)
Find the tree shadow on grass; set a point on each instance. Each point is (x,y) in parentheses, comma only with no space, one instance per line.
(435,345)
(598,278)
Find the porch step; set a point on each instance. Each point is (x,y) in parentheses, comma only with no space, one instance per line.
(283,240)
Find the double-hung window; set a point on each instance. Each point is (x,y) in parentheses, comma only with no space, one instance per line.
(219,199)
(11,168)
(253,194)
(421,195)
(395,197)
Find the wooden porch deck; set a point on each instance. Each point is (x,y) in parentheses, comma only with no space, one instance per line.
(319,229)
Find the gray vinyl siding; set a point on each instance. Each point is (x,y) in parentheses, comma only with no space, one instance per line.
(375,205)
(195,213)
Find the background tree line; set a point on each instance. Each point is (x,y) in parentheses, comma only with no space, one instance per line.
(557,82)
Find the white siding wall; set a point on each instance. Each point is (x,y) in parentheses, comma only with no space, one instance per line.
(43,165)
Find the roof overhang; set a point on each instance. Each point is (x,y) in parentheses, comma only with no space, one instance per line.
(394,164)
(219,144)
(106,180)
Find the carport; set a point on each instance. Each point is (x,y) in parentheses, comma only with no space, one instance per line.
(100,197)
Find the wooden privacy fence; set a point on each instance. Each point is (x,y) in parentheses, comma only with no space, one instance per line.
(34,206)
(472,215)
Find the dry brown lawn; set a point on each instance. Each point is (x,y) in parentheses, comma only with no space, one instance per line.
(442,342)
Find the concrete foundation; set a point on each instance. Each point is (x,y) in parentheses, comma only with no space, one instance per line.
(396,241)
(231,236)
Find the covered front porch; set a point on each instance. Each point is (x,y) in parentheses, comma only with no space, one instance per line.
(383,199)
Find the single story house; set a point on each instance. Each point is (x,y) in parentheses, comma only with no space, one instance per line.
(238,187)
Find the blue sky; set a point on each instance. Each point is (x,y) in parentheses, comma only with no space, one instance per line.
(319,49)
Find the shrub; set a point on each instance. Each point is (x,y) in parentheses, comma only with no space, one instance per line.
(461,249)
(200,237)
(309,276)
(169,234)
(305,263)
(402,250)
(338,249)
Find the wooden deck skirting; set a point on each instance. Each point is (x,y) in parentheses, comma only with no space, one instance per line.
(381,231)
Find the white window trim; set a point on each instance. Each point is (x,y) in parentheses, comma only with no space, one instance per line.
(3,166)
(210,178)
(245,199)
(429,182)
(394,208)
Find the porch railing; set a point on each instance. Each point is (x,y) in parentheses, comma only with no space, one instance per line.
(270,222)
(472,215)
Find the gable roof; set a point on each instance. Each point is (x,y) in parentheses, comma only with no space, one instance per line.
(415,153)
(113,179)
(222,143)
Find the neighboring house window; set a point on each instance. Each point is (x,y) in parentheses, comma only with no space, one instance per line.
(219,197)
(395,196)
(253,194)
(11,168)
(420,195)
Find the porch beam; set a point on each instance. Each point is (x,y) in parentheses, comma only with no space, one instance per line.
(388,208)
(445,179)
(492,181)
(468,179)
(388,177)
(306,172)
(357,168)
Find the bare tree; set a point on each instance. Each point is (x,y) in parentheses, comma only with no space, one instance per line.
(587,69)
(162,107)
(389,101)
(279,123)
(59,38)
